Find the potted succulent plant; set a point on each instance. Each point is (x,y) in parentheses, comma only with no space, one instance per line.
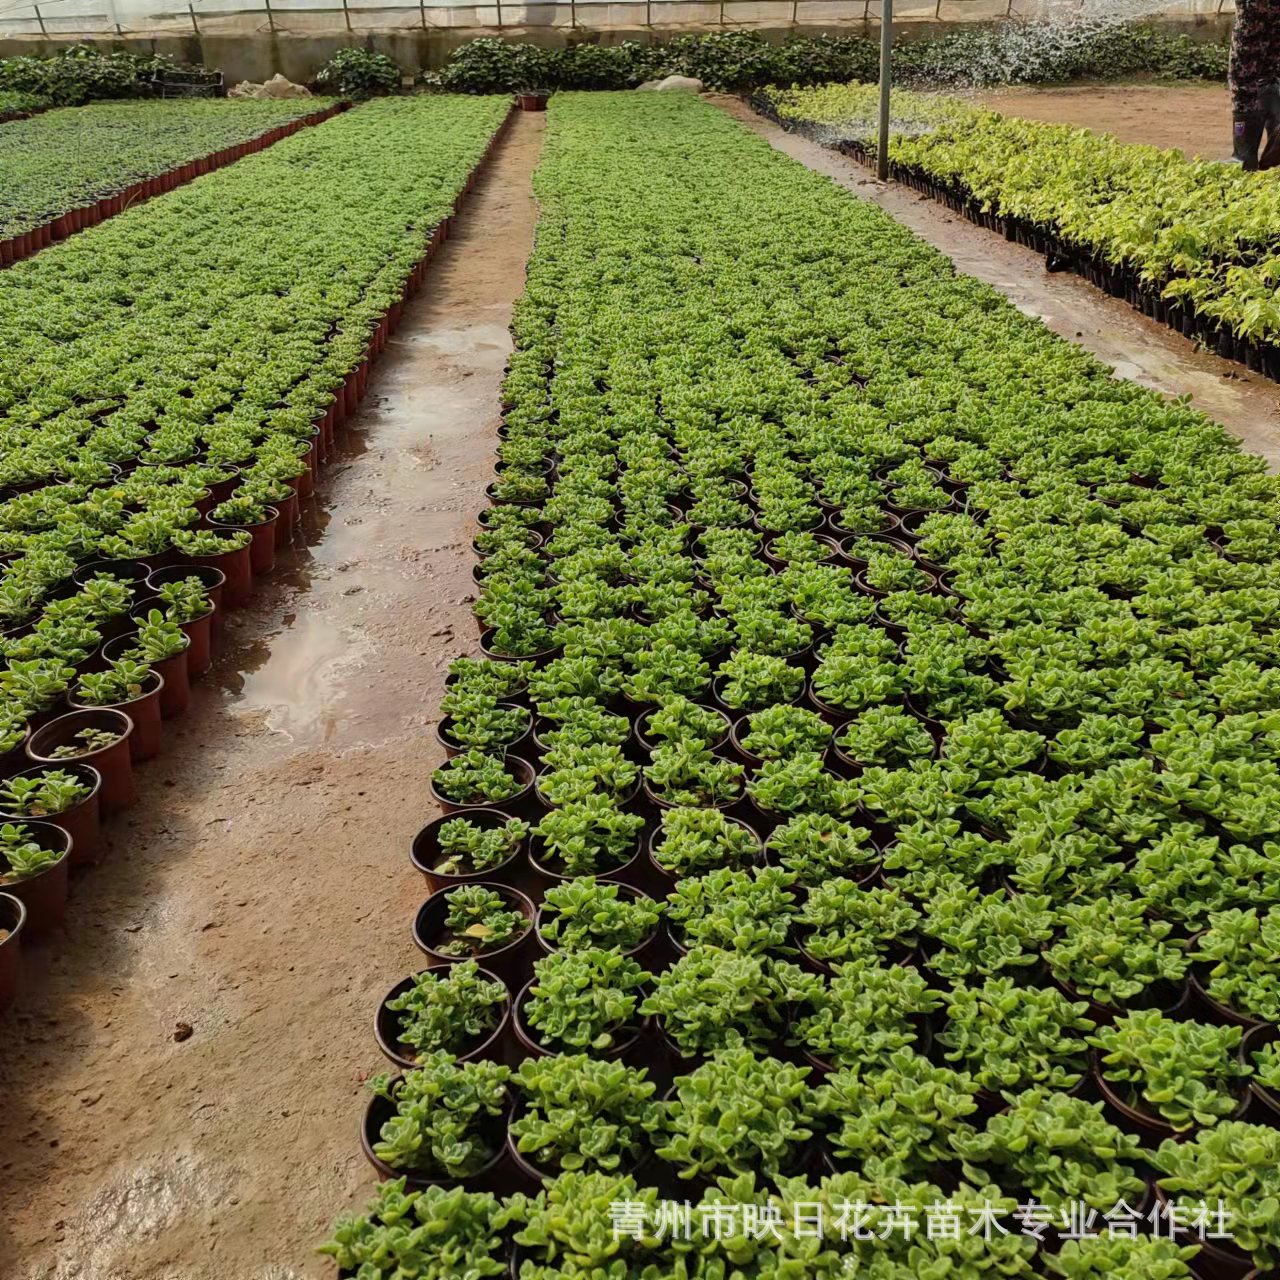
(99,738)
(588,913)
(444,1122)
(591,836)
(576,1112)
(34,861)
(692,841)
(475,780)
(580,1000)
(131,686)
(735,1114)
(66,796)
(1166,1076)
(460,1009)
(490,923)
(735,910)
(477,845)
(434,1230)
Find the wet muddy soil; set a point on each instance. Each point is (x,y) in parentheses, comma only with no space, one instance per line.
(260,895)
(1245,403)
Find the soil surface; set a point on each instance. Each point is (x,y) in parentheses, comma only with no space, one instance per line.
(1246,404)
(261,892)
(1193,118)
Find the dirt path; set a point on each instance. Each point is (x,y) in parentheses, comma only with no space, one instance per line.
(1246,404)
(261,892)
(1194,118)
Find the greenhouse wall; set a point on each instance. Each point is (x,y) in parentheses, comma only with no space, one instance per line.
(254,39)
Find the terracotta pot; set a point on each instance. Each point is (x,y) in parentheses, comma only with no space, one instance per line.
(144,711)
(424,852)
(237,572)
(203,631)
(113,762)
(44,895)
(532,101)
(262,548)
(13,919)
(81,822)
(175,689)
(386,1029)
(511,964)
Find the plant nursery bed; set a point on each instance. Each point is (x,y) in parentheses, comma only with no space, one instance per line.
(75,167)
(979,896)
(223,761)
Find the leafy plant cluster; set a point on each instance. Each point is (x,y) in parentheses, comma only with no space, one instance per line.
(139,363)
(1198,233)
(63,160)
(714,342)
(80,73)
(741,60)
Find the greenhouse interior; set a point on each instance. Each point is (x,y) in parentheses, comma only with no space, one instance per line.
(590,591)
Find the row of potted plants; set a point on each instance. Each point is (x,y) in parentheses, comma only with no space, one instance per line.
(972,943)
(480,1122)
(206,468)
(91,677)
(1117,213)
(68,170)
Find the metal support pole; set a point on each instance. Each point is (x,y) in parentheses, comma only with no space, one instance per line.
(648,13)
(722,13)
(886,71)
(499,3)
(573,14)
(40,19)
(422,13)
(194,25)
(346,13)
(795,5)
(271,22)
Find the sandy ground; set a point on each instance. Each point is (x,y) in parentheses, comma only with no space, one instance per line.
(1247,404)
(1194,118)
(261,892)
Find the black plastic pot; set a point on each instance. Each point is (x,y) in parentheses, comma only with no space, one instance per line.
(518,804)
(511,964)
(386,1024)
(424,851)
